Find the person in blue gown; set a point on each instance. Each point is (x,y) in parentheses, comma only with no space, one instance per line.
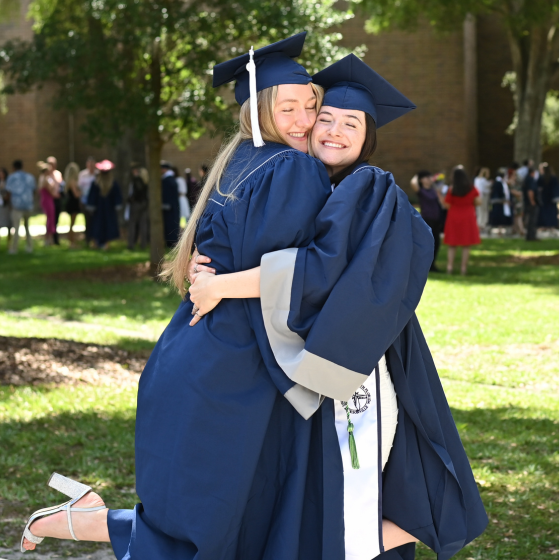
(548,186)
(334,308)
(170,205)
(229,460)
(500,202)
(104,200)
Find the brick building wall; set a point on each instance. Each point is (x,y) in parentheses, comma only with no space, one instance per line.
(429,69)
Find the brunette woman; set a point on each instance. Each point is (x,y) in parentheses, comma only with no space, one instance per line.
(461,228)
(339,315)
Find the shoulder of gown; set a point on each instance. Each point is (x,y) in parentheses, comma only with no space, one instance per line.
(258,168)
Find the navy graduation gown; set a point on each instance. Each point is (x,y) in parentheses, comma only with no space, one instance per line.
(497,216)
(171,210)
(334,308)
(104,220)
(226,467)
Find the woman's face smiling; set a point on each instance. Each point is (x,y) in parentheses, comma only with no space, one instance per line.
(295,113)
(338,137)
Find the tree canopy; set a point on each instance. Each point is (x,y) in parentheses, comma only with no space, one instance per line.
(146,65)
(132,63)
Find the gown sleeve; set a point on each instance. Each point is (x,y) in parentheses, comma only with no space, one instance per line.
(333,308)
(428,485)
(278,213)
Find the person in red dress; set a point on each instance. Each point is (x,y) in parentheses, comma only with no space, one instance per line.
(461,229)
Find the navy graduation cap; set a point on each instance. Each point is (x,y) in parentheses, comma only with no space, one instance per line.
(352,84)
(257,70)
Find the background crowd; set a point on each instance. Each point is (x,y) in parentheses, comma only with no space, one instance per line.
(517,201)
(109,210)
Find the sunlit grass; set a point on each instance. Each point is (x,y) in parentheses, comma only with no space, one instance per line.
(493,335)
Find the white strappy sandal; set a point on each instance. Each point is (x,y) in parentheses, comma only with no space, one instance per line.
(75,491)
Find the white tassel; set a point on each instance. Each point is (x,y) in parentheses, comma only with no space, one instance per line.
(252,69)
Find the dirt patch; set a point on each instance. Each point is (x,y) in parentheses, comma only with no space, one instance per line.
(107,274)
(38,361)
(534,260)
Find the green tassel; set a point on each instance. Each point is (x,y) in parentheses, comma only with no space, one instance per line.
(352,442)
(352,445)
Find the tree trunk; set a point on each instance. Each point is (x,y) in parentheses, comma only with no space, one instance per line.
(534,63)
(154,146)
(470,90)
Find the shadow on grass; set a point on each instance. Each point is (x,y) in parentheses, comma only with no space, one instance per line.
(512,457)
(505,261)
(93,447)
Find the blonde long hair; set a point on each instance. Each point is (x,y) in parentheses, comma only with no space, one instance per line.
(71,174)
(174,269)
(105,182)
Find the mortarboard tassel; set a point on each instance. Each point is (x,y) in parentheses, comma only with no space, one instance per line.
(352,441)
(252,69)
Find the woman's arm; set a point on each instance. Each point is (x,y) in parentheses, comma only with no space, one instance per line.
(394,536)
(207,289)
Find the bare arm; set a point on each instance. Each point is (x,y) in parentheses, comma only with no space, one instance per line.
(477,201)
(414,184)
(394,536)
(207,290)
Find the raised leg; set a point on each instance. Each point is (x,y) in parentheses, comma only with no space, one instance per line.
(88,526)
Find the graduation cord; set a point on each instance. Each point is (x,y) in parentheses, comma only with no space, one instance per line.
(352,441)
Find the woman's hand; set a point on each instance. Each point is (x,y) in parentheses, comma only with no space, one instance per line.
(196,266)
(204,295)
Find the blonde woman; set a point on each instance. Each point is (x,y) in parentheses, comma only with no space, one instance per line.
(104,199)
(49,189)
(71,176)
(222,454)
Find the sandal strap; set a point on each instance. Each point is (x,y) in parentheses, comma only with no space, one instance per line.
(69,518)
(31,537)
(69,509)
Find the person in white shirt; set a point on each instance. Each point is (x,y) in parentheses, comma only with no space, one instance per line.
(484,186)
(184,207)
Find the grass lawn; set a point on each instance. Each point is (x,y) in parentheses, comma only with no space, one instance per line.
(493,335)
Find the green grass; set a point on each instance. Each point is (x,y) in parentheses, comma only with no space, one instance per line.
(493,335)
(41,290)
